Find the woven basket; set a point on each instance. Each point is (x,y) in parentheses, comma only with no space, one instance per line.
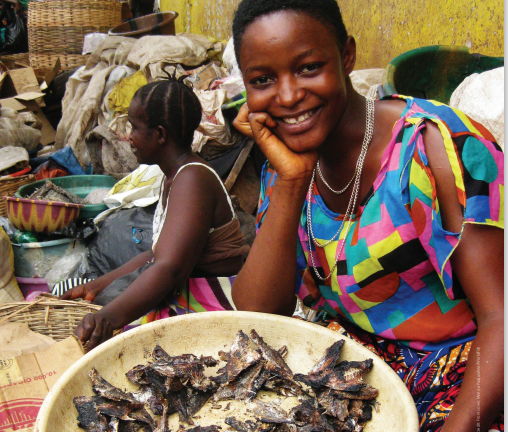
(57,28)
(48,315)
(8,187)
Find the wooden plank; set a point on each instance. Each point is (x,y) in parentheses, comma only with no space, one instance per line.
(246,187)
(237,167)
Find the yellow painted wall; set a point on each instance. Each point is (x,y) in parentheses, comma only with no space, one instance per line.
(383,29)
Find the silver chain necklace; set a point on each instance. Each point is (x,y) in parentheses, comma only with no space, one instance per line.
(328,186)
(369,129)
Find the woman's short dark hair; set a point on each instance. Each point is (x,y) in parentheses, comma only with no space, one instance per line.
(326,11)
(172,104)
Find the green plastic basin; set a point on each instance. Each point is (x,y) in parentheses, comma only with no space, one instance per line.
(81,185)
(434,72)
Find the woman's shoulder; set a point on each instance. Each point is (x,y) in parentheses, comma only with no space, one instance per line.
(455,121)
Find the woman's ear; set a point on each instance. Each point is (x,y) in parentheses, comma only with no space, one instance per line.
(349,55)
(162,135)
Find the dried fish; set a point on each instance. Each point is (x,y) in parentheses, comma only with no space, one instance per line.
(334,404)
(249,425)
(366,393)
(169,384)
(106,390)
(119,409)
(157,402)
(160,355)
(212,428)
(241,356)
(284,387)
(165,384)
(114,425)
(133,427)
(88,416)
(144,394)
(271,413)
(163,422)
(274,361)
(329,360)
(348,376)
(311,418)
(195,400)
(246,389)
(178,400)
(137,375)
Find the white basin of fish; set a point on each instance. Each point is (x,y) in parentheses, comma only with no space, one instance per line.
(207,334)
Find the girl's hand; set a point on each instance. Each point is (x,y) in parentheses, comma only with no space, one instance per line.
(94,328)
(290,166)
(86,291)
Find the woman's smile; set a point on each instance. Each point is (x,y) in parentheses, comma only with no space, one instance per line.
(299,123)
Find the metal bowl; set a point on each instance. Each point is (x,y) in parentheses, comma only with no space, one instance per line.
(161,23)
(208,333)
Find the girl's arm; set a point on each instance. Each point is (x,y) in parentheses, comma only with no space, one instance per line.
(478,264)
(267,280)
(191,207)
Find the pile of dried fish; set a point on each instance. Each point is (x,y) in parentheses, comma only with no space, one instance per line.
(51,192)
(334,398)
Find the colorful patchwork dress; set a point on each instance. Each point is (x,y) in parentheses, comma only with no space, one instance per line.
(394,289)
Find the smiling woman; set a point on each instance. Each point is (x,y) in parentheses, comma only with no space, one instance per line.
(398,237)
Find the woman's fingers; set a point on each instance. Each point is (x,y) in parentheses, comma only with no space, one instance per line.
(84,291)
(96,337)
(95,329)
(74,293)
(85,328)
(241,121)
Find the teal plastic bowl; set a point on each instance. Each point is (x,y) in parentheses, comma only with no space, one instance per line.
(35,260)
(81,185)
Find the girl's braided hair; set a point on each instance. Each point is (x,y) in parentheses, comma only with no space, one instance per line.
(172,104)
(325,11)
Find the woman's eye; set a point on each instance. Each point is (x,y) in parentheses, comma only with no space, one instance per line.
(261,80)
(310,68)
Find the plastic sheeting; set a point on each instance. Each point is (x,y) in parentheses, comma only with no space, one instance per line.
(481,97)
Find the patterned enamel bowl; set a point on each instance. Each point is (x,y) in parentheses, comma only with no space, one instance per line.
(40,216)
(207,333)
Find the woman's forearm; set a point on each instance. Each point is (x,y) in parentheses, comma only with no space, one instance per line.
(136,262)
(267,280)
(142,295)
(481,396)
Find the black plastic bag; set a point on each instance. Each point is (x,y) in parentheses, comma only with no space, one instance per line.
(16,35)
(122,236)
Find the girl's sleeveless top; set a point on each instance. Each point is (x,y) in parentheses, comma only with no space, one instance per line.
(394,277)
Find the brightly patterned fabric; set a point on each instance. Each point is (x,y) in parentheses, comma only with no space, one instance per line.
(201,295)
(394,277)
(433,378)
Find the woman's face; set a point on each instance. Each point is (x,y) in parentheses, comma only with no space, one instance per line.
(143,138)
(293,70)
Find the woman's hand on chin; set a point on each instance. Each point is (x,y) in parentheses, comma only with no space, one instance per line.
(290,166)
